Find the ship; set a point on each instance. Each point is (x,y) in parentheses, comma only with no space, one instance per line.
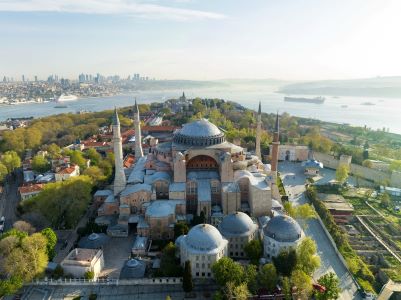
(64,98)
(316,100)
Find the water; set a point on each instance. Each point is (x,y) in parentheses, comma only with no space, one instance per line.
(385,113)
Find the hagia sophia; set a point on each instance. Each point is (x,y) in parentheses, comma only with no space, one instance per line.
(198,173)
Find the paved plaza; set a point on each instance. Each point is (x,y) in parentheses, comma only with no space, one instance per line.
(294,182)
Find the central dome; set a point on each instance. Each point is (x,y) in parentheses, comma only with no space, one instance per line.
(199,133)
(204,237)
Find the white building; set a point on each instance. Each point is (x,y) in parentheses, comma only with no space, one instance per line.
(239,229)
(67,172)
(80,260)
(202,246)
(280,233)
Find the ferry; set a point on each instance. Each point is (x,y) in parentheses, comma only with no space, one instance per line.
(63,98)
(316,100)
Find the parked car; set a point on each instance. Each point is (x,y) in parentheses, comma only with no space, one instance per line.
(2,221)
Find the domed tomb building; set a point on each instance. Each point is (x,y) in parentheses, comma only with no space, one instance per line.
(281,233)
(239,229)
(202,246)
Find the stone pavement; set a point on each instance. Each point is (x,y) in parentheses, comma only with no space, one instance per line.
(294,182)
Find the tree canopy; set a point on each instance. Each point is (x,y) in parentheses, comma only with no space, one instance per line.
(226,270)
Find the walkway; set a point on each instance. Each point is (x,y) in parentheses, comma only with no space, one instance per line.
(294,182)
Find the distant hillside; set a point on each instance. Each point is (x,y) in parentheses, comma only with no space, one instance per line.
(175,84)
(371,87)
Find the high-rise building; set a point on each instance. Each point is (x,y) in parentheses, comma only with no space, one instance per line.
(36,78)
(23,78)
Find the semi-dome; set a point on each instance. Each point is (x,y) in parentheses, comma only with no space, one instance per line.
(199,133)
(237,224)
(283,228)
(204,237)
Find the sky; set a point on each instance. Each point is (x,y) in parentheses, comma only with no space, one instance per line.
(201,39)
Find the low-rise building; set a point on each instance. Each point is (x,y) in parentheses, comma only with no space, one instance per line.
(67,172)
(29,191)
(79,261)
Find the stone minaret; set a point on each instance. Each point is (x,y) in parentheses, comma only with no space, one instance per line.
(138,139)
(258,132)
(119,176)
(276,143)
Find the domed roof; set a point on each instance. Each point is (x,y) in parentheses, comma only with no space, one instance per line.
(199,133)
(159,209)
(200,128)
(204,237)
(237,224)
(283,228)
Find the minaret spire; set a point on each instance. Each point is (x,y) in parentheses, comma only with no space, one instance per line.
(275,144)
(258,132)
(138,138)
(119,175)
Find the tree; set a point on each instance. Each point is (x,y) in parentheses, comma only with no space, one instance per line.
(77,158)
(285,262)
(95,173)
(251,278)
(187,283)
(303,283)
(307,258)
(227,270)
(33,138)
(51,241)
(11,160)
(395,165)
(233,291)
(342,173)
(8,244)
(385,200)
(332,284)
(54,151)
(289,209)
(267,277)
(24,226)
(286,288)
(89,275)
(10,286)
(180,228)
(367,163)
(40,164)
(254,250)
(3,171)
(94,156)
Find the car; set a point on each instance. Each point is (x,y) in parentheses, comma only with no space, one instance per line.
(2,221)
(368,296)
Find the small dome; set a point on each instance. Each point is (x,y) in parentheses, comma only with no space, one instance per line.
(237,224)
(204,237)
(159,209)
(132,263)
(283,228)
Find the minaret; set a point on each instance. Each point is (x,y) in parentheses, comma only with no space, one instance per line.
(276,142)
(258,132)
(138,138)
(119,176)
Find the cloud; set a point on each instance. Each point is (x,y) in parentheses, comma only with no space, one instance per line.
(125,7)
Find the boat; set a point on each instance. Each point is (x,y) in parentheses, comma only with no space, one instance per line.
(64,98)
(316,100)
(61,106)
(344,106)
(367,103)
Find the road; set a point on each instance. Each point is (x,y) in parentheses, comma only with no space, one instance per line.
(9,200)
(294,182)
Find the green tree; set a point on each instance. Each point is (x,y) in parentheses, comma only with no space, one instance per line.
(332,284)
(10,286)
(227,270)
(303,283)
(89,275)
(51,241)
(180,228)
(233,291)
(307,258)
(289,209)
(385,200)
(96,174)
(251,278)
(94,156)
(11,160)
(76,157)
(286,288)
(395,165)
(14,140)
(40,164)
(33,138)
(254,251)
(187,283)
(268,277)
(3,171)
(342,173)
(54,151)
(285,262)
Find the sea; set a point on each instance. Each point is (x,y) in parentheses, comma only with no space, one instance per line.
(375,113)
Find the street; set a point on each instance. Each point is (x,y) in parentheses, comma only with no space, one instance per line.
(294,182)
(9,200)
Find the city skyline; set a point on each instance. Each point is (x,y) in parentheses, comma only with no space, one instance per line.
(203,40)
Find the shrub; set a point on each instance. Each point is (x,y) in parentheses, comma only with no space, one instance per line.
(89,275)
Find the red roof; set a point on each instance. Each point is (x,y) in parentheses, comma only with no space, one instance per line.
(129,161)
(94,144)
(30,188)
(160,128)
(67,170)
